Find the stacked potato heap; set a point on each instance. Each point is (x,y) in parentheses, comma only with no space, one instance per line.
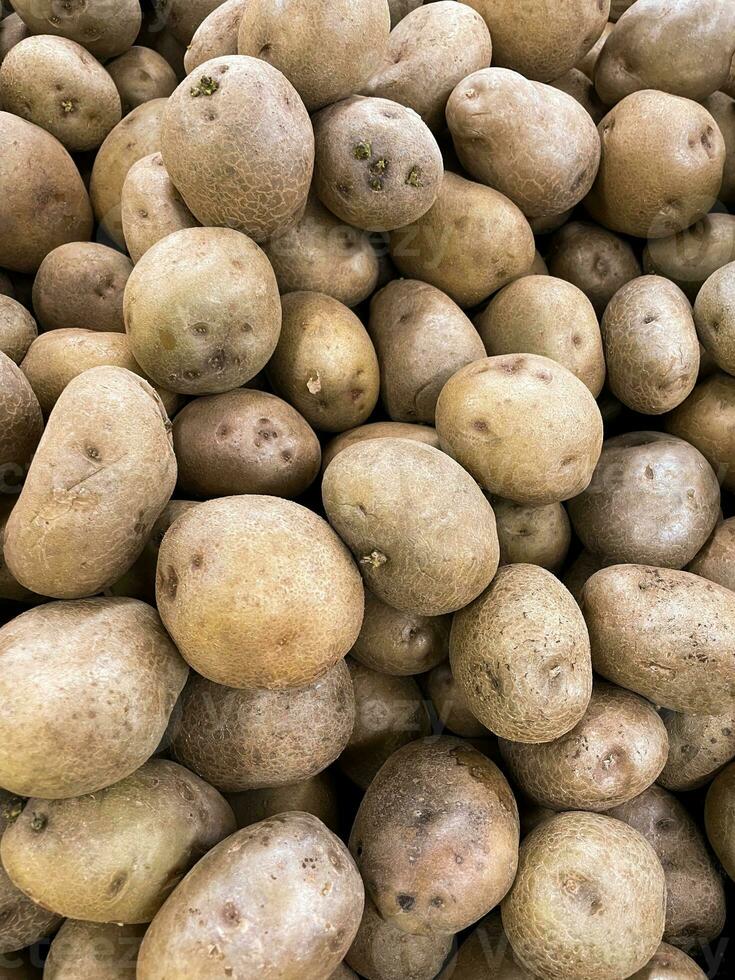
(367,393)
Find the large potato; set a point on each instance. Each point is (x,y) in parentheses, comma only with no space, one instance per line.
(378,430)
(707,420)
(238,145)
(441,553)
(532,535)
(141,74)
(18,329)
(280,900)
(216,35)
(699,746)
(317,795)
(714,316)
(719,818)
(524,426)
(21,425)
(228,594)
(690,257)
(106,27)
(400,643)
(103,950)
(436,801)
(102,474)
(646,634)
(150,206)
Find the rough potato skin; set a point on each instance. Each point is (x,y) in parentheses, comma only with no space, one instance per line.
(532,535)
(215,150)
(317,795)
(21,428)
(661,165)
(436,837)
(524,426)
(716,559)
(706,419)
(106,27)
(141,74)
(699,746)
(714,315)
(589,899)
(18,329)
(451,704)
(665,634)
(420,551)
(256,739)
(183,17)
(216,35)
(722,109)
(103,472)
(150,206)
(670,963)
(719,818)
(582,90)
(275,604)
(521,657)
(400,643)
(378,430)
(689,258)
(113,656)
(265,912)
(43,202)
(105,951)
(695,897)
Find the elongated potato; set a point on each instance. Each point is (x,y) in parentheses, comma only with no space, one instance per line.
(21,425)
(150,206)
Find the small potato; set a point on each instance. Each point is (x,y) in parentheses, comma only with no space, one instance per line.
(12,32)
(532,142)
(699,746)
(150,206)
(690,257)
(593,259)
(240,740)
(17,329)
(716,559)
(645,634)
(105,951)
(435,558)
(582,89)
(106,27)
(422,338)
(317,795)
(722,109)
(81,285)
(719,818)
(183,17)
(583,567)
(714,315)
(670,963)
(532,535)
(378,430)
(524,426)
(400,643)
(389,713)
(227,594)
(529,316)
(451,704)
(535,690)
(470,243)
(72,855)
(661,165)
(486,947)
(707,420)
(21,425)
(414,877)
(216,35)
(588,62)
(325,363)
(432,49)
(140,75)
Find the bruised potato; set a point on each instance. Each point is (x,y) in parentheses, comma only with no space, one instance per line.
(21,425)
(400,643)
(18,329)
(379,430)
(141,74)
(706,419)
(150,206)
(532,535)
(689,258)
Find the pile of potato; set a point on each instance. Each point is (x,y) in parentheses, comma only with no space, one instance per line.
(367,452)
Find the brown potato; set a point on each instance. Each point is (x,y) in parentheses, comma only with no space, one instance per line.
(524,426)
(21,425)
(105,951)
(670,963)
(690,257)
(216,35)
(325,363)
(451,705)
(719,818)
(699,746)
(714,315)
(183,17)
(707,420)
(141,74)
(582,89)
(645,634)
(583,567)
(158,37)
(12,32)
(588,62)
(486,948)
(532,535)
(378,430)
(722,109)
(150,206)
(106,28)
(317,795)
(10,587)
(716,558)
(470,243)
(421,337)
(400,643)
(234,610)
(17,329)
(414,878)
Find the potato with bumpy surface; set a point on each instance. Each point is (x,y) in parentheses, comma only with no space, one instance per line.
(103,950)
(18,329)
(378,430)
(714,315)
(216,35)
(670,963)
(719,818)
(150,206)
(106,28)
(690,257)
(317,795)
(141,74)
(21,425)
(582,90)
(400,643)
(699,746)
(716,558)
(532,535)
(706,419)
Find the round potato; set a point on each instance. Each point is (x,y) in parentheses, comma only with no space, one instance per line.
(716,559)
(434,559)
(582,90)
(714,316)
(43,202)
(216,35)
(400,643)
(719,818)
(421,337)
(661,165)
(706,419)
(169,818)
(12,32)
(451,705)
(670,963)
(21,425)
(227,594)
(106,951)
(524,426)
(378,430)
(532,535)
(589,900)
(699,746)
(645,634)
(17,329)
(690,257)
(325,363)
(317,795)
(140,75)
(414,878)
(150,206)
(106,27)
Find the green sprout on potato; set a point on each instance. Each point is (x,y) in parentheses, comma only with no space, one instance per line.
(205,86)
(363,150)
(414,177)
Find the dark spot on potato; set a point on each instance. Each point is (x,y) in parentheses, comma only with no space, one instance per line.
(437,902)
(190,375)
(414,177)
(197,561)
(223,430)
(117,884)
(286,456)
(543,375)
(230,913)
(406,902)
(93,452)
(200,328)
(480,425)
(39,822)
(649,318)
(359,849)
(170,582)
(648,472)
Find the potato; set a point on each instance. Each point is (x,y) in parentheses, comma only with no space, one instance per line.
(686,52)
(244,441)
(140,75)
(322,255)
(81,285)
(645,634)
(532,535)
(150,206)
(593,259)
(690,257)
(436,557)
(156,35)
(486,947)
(136,136)
(714,316)
(470,243)
(378,430)
(535,692)
(242,111)
(116,855)
(719,817)
(105,951)
(716,559)
(102,474)
(531,142)
(670,963)
(699,747)
(524,426)
(436,837)
(581,88)
(707,420)
(317,795)
(240,740)
(183,17)
(106,28)
(10,587)
(271,878)
(542,40)
(636,196)
(227,594)
(421,337)
(389,713)
(589,899)
(695,898)
(400,643)
(325,363)
(451,705)
(587,63)
(43,202)
(12,32)
(17,329)
(21,425)
(326,50)
(216,35)
(529,316)
(343,972)
(432,49)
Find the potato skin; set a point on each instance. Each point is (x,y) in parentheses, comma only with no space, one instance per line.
(216,35)
(378,430)
(141,74)
(12,32)
(435,559)
(582,879)
(183,17)
(714,315)
(645,635)
(722,109)
(689,258)
(105,951)
(21,425)
(400,643)
(317,795)
(719,817)
(106,28)
(18,329)
(150,206)
(532,535)
(670,963)
(582,90)
(269,876)
(236,612)
(699,747)
(432,802)
(524,426)
(706,419)
(450,703)
(471,961)
(716,559)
